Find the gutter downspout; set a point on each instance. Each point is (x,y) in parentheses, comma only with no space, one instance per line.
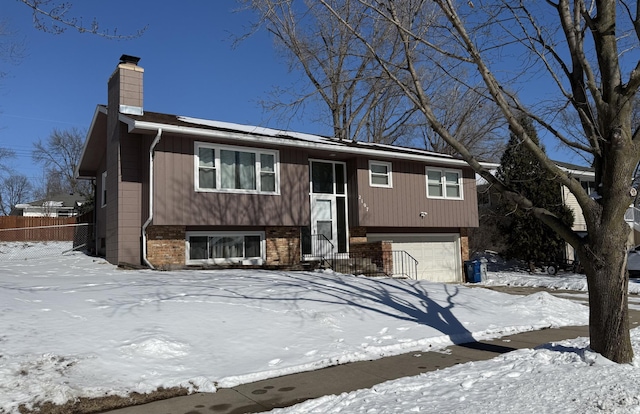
(146,223)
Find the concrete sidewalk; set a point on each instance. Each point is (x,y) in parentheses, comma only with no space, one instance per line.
(292,389)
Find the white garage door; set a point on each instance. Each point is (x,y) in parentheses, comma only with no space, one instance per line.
(438,255)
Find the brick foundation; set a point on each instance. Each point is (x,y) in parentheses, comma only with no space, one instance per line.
(282,246)
(357,235)
(380,253)
(464,244)
(166,246)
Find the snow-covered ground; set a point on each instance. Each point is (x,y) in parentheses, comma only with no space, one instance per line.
(563,280)
(75,326)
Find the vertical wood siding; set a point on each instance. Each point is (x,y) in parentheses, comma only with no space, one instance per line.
(133,154)
(40,228)
(177,202)
(401,205)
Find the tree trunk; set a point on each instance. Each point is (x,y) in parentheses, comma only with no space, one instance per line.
(607,278)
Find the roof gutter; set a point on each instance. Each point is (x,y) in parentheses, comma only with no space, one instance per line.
(152,149)
(251,138)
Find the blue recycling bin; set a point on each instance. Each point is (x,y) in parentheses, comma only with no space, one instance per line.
(475,270)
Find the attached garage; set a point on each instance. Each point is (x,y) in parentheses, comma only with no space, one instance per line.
(438,255)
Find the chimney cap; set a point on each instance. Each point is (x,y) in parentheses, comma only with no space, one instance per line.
(129,59)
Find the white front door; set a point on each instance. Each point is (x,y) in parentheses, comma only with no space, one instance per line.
(324,225)
(328,207)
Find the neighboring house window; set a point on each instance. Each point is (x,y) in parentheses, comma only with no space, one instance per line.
(104,189)
(66,213)
(236,169)
(589,186)
(380,174)
(225,247)
(444,184)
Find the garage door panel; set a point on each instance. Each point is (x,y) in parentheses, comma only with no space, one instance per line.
(438,256)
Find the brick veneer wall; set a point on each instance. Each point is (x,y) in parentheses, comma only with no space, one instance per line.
(166,246)
(283,246)
(357,235)
(379,252)
(464,244)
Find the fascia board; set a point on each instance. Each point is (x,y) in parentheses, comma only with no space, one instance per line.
(134,125)
(581,173)
(99,109)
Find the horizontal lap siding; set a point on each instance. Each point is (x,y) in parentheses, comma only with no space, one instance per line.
(177,202)
(579,223)
(401,205)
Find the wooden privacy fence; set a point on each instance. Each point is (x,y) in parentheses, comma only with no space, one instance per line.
(19,228)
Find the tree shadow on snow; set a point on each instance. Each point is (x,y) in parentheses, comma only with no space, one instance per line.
(402,299)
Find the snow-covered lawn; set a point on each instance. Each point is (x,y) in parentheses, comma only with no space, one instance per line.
(75,326)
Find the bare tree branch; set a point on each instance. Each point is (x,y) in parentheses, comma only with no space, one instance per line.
(59,155)
(14,190)
(582,64)
(52,16)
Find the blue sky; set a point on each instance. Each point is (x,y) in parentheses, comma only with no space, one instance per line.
(191,69)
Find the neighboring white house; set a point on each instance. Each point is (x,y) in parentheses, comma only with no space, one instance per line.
(61,205)
(586,176)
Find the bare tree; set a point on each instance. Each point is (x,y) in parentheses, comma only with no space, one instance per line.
(5,154)
(15,189)
(50,16)
(53,16)
(362,102)
(472,118)
(11,46)
(5,170)
(59,156)
(585,51)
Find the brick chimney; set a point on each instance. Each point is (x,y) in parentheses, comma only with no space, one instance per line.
(125,86)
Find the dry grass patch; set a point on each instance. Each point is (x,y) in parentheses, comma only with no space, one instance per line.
(106,403)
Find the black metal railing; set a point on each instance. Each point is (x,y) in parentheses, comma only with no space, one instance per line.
(396,263)
(316,247)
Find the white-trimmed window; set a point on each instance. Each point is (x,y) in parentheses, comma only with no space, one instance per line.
(225,247)
(103,183)
(380,174)
(236,169)
(444,183)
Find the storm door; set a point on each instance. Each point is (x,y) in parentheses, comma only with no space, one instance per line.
(328,208)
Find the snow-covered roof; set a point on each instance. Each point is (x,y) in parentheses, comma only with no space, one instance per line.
(205,129)
(152,121)
(56,200)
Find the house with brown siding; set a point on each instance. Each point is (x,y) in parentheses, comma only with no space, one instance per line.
(175,191)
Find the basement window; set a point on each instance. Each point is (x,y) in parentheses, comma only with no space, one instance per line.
(225,248)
